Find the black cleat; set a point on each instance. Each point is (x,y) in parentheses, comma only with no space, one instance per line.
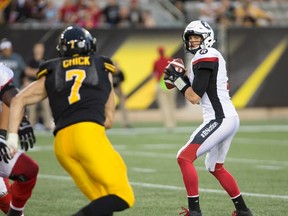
(13,212)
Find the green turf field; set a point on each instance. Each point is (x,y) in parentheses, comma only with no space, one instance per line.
(258,158)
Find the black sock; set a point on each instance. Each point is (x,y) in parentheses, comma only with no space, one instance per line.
(193,203)
(104,206)
(239,203)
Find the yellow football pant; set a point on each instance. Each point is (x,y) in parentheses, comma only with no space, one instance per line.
(85,152)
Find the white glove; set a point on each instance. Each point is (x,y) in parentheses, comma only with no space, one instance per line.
(12,143)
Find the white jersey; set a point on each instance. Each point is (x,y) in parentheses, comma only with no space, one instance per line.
(6,75)
(215,102)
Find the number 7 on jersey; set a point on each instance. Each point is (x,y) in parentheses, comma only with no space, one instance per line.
(78,75)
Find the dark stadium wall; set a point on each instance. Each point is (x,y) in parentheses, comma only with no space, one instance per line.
(258,66)
(256,60)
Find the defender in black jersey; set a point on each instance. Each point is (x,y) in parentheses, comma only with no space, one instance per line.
(80,92)
(206,84)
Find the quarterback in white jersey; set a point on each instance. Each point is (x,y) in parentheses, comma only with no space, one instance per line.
(21,169)
(215,101)
(206,84)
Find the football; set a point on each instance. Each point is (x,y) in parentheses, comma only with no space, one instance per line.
(179,67)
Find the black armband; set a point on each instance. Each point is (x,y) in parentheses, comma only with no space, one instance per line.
(182,84)
(6,88)
(3,134)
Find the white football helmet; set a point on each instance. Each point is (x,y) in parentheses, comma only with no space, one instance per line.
(201,28)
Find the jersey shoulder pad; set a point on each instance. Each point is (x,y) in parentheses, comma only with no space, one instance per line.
(108,64)
(6,75)
(207,54)
(44,68)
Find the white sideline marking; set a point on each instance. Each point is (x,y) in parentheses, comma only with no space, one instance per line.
(267,167)
(42,148)
(144,170)
(171,187)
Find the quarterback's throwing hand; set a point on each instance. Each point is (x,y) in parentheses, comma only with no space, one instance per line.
(4,150)
(176,75)
(171,73)
(26,134)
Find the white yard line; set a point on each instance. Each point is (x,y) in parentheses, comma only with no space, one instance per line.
(153,130)
(122,151)
(171,187)
(256,141)
(173,156)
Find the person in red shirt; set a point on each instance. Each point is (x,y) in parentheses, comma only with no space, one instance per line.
(165,97)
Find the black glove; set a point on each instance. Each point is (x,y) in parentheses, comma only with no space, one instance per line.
(171,73)
(3,147)
(26,134)
(179,79)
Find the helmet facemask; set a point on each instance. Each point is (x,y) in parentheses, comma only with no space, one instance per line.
(188,44)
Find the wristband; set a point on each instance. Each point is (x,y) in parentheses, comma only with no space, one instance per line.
(182,84)
(13,140)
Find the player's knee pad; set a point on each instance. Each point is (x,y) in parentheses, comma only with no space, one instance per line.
(24,169)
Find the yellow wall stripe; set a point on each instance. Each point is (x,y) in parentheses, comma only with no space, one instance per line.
(248,89)
(135,57)
(144,96)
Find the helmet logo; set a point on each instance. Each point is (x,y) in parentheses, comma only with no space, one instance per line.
(81,44)
(72,42)
(205,24)
(203,51)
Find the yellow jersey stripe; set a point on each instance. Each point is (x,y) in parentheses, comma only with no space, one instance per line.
(109,67)
(41,73)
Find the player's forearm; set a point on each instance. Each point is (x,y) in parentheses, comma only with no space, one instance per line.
(17,108)
(110,106)
(191,96)
(109,116)
(110,111)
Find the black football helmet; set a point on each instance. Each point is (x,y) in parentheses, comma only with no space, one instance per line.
(76,40)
